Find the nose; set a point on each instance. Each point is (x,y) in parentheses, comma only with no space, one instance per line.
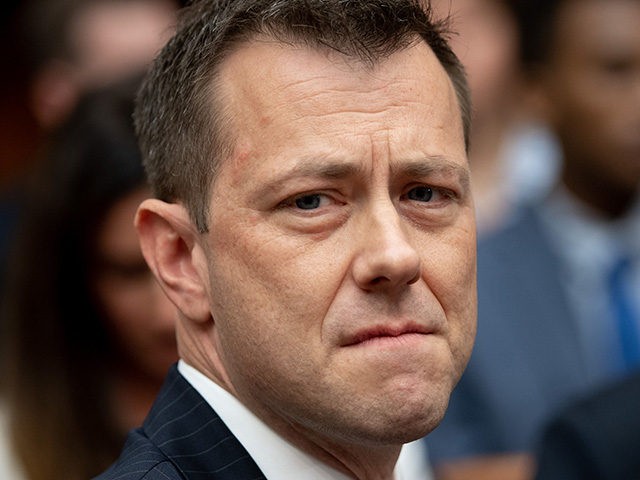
(386,259)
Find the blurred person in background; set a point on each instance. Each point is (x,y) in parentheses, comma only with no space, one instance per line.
(54,50)
(559,284)
(89,335)
(513,156)
(71,46)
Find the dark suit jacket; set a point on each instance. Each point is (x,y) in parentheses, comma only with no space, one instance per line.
(182,438)
(526,361)
(596,438)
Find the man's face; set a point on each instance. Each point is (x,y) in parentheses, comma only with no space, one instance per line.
(341,251)
(593,81)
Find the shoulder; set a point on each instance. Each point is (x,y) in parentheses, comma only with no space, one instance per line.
(161,471)
(597,421)
(591,435)
(141,460)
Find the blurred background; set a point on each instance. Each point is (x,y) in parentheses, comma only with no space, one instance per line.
(553,386)
(86,335)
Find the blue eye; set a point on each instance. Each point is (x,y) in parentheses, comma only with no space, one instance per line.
(308,202)
(420,194)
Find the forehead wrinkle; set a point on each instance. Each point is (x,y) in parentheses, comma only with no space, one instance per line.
(368,112)
(333,102)
(376,102)
(366,81)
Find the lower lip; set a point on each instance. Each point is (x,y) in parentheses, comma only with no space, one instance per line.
(388,341)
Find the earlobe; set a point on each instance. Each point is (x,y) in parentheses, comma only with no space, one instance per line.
(169,243)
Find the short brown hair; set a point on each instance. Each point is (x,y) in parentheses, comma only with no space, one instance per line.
(183,142)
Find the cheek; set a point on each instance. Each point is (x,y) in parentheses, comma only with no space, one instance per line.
(264,339)
(270,295)
(449,259)
(271,272)
(264,314)
(450,273)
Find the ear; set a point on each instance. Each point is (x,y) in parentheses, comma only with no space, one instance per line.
(171,246)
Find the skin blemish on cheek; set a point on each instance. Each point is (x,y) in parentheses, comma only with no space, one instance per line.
(238,162)
(265,120)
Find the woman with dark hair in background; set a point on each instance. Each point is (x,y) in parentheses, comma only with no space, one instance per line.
(88,335)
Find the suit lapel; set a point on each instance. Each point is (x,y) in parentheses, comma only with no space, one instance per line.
(189,432)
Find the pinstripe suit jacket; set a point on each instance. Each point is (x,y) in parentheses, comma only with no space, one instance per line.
(182,438)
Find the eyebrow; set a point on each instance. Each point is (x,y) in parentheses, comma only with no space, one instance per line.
(435,165)
(329,170)
(312,168)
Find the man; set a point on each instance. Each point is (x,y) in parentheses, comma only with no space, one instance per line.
(314,226)
(74,46)
(558,287)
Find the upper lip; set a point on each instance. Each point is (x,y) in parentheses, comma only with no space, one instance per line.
(376,331)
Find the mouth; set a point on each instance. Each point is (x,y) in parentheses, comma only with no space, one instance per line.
(385,332)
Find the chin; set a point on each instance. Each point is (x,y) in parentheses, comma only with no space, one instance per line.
(422,423)
(417,415)
(399,432)
(403,423)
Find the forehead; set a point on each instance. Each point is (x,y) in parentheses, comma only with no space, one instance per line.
(291,89)
(298,68)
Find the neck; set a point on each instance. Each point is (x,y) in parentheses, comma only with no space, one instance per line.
(357,458)
(359,462)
